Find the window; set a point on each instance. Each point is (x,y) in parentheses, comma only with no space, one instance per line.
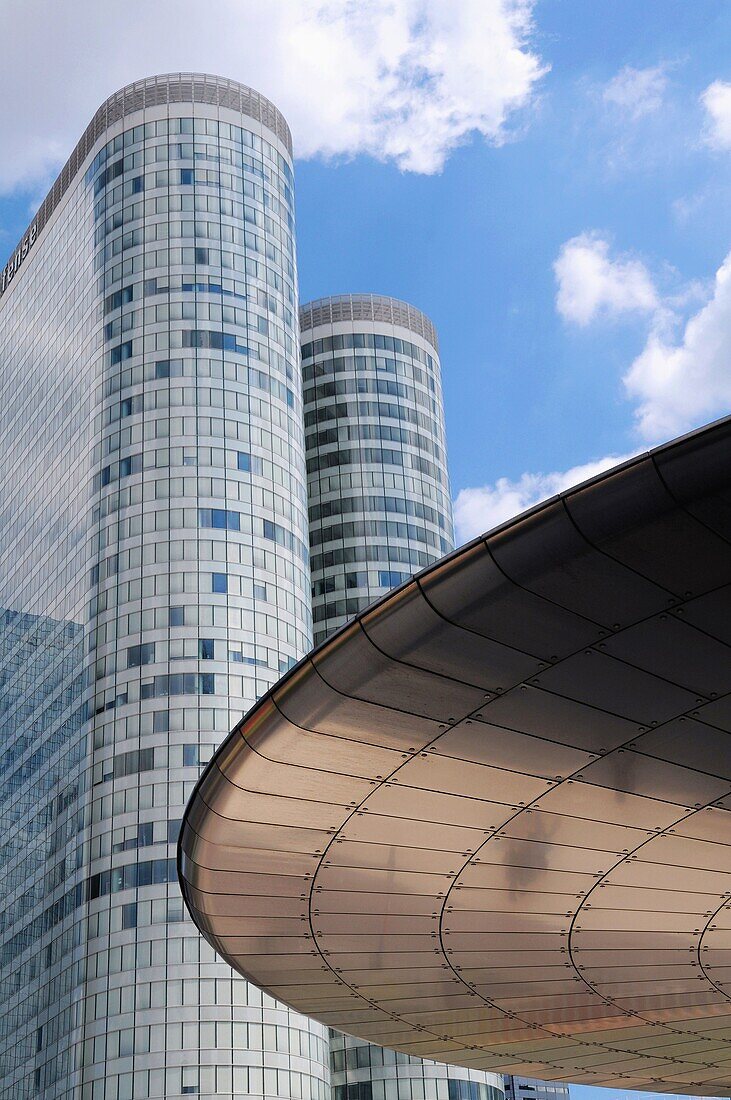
(138,655)
(205,649)
(251,464)
(129,915)
(220,518)
(219,582)
(389,578)
(180,683)
(260,591)
(160,721)
(129,763)
(190,756)
(123,351)
(177,616)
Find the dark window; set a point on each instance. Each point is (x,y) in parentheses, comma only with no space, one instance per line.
(177,616)
(129,915)
(138,655)
(123,351)
(219,582)
(160,721)
(205,649)
(190,756)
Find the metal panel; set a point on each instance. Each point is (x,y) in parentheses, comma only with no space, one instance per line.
(499,800)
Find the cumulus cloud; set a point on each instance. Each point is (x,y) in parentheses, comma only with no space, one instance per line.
(636,92)
(717,101)
(479,510)
(400,80)
(681,383)
(591,283)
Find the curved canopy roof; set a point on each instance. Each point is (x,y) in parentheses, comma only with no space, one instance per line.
(489,821)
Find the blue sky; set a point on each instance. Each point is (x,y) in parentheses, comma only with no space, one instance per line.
(562,220)
(527,390)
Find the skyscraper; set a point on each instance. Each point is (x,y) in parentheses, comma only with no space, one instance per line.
(155,583)
(379,501)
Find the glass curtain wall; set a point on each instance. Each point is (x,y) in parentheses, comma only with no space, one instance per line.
(156,583)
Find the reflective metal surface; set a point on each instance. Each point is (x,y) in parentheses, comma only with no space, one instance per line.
(486,823)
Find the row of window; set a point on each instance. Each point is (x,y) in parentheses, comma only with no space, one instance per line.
(372,505)
(376,340)
(176,284)
(380,528)
(379,552)
(370,364)
(226,519)
(227,190)
(343,386)
(239,211)
(343,410)
(244,241)
(379,456)
(337,609)
(383,578)
(131,875)
(161,398)
(133,464)
(113,209)
(210,127)
(235,289)
(416,1088)
(349,432)
(193,1081)
(200,649)
(190,150)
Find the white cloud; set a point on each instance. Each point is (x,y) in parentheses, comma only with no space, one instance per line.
(681,383)
(479,510)
(717,101)
(636,92)
(399,80)
(591,283)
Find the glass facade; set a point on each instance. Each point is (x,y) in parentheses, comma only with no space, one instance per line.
(362,1071)
(379,500)
(155,583)
(527,1088)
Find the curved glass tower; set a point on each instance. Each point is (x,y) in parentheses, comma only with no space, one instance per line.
(154,531)
(378,486)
